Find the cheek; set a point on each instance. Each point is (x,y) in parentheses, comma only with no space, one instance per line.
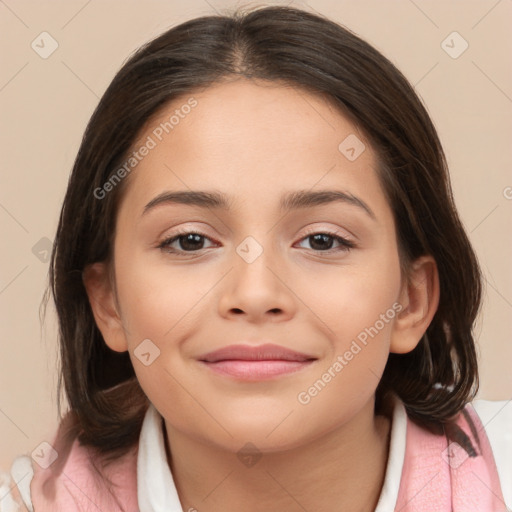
(159,301)
(164,305)
(352,300)
(361,321)
(357,310)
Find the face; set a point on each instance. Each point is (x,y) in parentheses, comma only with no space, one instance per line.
(319,277)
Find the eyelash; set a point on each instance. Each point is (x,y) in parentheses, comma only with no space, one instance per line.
(346,245)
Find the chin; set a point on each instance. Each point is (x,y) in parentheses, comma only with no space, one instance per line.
(268,433)
(255,441)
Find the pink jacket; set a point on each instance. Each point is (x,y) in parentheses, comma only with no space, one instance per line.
(437,476)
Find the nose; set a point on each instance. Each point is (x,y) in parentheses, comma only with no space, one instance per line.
(258,286)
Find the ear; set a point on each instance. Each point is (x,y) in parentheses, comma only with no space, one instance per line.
(419,299)
(102,299)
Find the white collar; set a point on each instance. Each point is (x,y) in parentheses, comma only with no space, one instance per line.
(156,489)
(396,456)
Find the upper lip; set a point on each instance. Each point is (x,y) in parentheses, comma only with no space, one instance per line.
(263,352)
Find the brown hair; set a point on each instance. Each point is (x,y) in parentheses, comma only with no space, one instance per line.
(294,47)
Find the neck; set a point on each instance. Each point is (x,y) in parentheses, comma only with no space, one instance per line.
(343,469)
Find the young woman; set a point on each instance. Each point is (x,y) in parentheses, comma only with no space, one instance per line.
(265,293)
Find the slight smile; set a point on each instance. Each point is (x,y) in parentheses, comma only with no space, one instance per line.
(256,363)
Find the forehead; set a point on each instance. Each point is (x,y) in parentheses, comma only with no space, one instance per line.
(252,140)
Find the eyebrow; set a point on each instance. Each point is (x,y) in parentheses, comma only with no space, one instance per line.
(290,201)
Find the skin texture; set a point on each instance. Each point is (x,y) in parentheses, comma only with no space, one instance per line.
(254,141)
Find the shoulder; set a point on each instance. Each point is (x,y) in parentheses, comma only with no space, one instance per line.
(69,475)
(15,486)
(496,418)
(78,476)
(494,412)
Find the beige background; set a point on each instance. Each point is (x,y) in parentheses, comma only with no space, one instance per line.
(45,104)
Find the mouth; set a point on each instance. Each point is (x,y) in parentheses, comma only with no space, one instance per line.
(256,363)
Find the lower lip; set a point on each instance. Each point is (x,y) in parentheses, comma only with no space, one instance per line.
(256,370)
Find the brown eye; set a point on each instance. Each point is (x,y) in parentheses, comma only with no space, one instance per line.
(324,242)
(189,241)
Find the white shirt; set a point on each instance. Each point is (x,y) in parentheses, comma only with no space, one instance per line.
(156,489)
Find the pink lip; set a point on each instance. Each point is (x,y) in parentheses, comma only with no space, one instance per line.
(254,363)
